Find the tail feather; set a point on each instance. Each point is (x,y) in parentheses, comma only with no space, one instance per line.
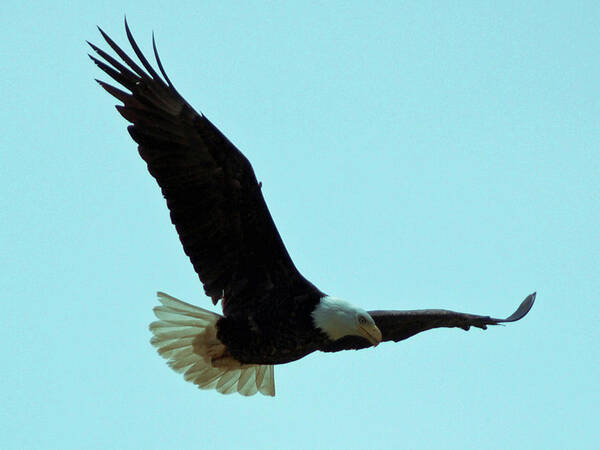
(247,383)
(169,332)
(207,377)
(267,385)
(174,318)
(181,364)
(170,349)
(184,335)
(228,382)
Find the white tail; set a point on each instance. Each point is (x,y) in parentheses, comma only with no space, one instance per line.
(186,336)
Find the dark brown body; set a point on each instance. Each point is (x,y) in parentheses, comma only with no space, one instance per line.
(273,335)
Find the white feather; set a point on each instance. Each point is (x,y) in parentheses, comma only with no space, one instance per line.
(227,381)
(247,387)
(185,333)
(267,387)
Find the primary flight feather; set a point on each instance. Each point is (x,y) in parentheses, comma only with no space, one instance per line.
(271,313)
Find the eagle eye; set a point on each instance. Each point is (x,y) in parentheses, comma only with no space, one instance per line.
(362,320)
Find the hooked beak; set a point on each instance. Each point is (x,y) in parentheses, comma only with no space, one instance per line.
(371,333)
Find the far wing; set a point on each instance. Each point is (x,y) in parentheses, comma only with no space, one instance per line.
(215,200)
(399,325)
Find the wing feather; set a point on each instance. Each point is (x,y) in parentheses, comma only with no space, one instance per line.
(399,325)
(215,201)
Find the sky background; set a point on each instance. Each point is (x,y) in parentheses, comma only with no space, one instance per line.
(413,155)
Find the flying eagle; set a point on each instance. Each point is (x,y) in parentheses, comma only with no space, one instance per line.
(271,313)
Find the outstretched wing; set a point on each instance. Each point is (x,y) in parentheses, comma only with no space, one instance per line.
(399,325)
(215,201)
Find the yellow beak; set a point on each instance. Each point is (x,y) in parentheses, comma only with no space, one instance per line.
(371,333)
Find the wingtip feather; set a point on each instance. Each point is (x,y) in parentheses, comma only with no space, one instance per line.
(523,309)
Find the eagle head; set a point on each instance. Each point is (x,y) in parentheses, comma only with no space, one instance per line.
(338,318)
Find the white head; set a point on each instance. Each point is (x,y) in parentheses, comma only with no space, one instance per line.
(338,318)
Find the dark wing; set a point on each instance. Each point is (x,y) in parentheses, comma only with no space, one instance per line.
(399,325)
(215,201)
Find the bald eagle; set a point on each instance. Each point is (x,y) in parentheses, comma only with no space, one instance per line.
(271,313)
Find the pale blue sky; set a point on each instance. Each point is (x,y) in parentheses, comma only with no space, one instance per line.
(413,156)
